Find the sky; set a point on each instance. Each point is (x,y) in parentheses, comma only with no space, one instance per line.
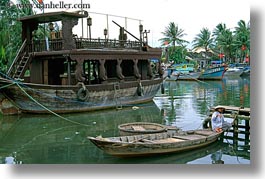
(155,15)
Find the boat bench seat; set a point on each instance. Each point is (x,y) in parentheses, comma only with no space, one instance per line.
(189,137)
(168,140)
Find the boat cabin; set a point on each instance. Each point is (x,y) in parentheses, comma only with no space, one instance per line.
(65,59)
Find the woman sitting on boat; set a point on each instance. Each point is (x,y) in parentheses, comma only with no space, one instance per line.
(218,122)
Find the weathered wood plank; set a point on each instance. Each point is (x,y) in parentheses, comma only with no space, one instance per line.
(189,137)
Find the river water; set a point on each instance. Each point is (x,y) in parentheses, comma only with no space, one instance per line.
(47,139)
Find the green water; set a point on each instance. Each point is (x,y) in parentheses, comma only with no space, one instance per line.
(46,139)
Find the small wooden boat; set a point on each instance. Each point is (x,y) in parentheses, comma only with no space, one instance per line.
(157,143)
(136,128)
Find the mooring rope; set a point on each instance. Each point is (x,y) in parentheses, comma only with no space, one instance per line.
(47,109)
(34,100)
(5,86)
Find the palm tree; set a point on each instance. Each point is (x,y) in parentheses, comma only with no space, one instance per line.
(204,40)
(173,35)
(226,43)
(242,37)
(219,29)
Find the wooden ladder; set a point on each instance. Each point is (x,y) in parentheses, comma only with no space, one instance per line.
(116,95)
(20,63)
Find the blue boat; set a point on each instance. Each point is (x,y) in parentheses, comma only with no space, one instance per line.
(214,73)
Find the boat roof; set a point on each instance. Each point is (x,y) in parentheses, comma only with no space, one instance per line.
(52,16)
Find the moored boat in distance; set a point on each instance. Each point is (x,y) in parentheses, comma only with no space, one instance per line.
(213,73)
(185,76)
(234,71)
(69,74)
(157,143)
(184,71)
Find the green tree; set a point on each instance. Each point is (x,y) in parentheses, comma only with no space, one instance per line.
(204,40)
(242,38)
(173,36)
(10,36)
(225,42)
(219,29)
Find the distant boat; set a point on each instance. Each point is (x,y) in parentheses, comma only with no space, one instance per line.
(157,143)
(246,71)
(214,73)
(238,69)
(182,72)
(234,71)
(185,76)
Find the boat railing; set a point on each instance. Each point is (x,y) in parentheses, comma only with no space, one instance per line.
(81,43)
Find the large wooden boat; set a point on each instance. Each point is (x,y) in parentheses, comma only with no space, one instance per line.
(157,143)
(69,74)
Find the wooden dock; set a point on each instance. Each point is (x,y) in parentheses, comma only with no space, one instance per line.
(241,125)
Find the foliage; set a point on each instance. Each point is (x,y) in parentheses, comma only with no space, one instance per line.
(242,38)
(10,37)
(204,39)
(230,43)
(173,35)
(233,44)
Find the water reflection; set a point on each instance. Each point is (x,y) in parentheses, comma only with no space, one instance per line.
(41,139)
(186,103)
(49,139)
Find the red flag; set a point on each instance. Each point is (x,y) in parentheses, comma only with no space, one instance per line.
(243,47)
(247,58)
(221,55)
(166,43)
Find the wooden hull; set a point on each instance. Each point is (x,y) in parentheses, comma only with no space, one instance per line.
(160,143)
(29,97)
(215,73)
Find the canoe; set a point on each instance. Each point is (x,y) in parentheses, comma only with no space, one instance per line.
(136,128)
(157,143)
